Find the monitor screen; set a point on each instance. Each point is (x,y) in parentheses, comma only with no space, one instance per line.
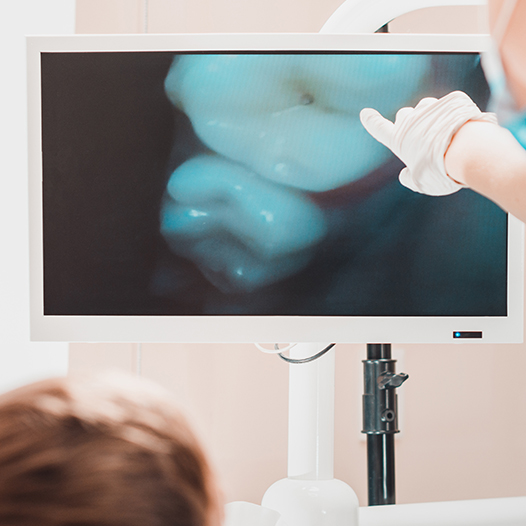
(222,188)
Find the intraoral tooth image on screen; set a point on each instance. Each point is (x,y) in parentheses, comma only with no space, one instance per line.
(222,183)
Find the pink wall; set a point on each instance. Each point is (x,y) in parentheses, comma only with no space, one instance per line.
(462,432)
(245,16)
(461,411)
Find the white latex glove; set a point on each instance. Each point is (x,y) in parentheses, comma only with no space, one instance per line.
(420,137)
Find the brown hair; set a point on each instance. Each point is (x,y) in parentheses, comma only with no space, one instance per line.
(105,451)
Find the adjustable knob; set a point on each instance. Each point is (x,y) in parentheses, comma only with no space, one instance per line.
(389,380)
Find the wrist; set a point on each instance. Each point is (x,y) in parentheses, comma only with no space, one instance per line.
(488,159)
(479,151)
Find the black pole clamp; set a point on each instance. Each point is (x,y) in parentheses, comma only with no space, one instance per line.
(380,404)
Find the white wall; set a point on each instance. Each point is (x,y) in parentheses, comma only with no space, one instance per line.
(20,360)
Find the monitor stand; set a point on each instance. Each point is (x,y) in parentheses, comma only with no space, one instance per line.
(310,495)
(380,421)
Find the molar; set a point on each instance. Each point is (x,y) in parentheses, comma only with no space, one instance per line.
(240,229)
(299,113)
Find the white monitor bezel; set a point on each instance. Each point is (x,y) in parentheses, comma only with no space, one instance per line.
(210,329)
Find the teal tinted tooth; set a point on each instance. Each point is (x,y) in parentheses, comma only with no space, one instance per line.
(294,119)
(239,229)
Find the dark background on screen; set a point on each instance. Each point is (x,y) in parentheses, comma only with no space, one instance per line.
(110,141)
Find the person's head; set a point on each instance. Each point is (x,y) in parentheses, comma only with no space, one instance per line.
(507,20)
(105,451)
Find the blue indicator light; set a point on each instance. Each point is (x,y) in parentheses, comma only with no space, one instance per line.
(467,334)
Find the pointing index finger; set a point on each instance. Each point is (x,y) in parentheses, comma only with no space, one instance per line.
(379,127)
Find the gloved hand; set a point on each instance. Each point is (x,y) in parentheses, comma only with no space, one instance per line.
(420,137)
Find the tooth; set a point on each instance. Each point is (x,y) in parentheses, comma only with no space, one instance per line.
(231,268)
(242,231)
(294,119)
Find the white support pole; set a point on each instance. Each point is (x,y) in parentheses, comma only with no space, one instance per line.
(310,495)
(311,414)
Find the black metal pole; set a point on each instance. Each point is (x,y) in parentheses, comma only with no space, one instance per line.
(380,422)
(380,470)
(378,351)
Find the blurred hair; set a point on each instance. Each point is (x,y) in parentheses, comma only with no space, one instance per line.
(105,451)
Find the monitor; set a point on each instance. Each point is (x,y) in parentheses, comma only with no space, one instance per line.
(220,188)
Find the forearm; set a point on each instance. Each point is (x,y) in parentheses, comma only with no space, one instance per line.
(488,159)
